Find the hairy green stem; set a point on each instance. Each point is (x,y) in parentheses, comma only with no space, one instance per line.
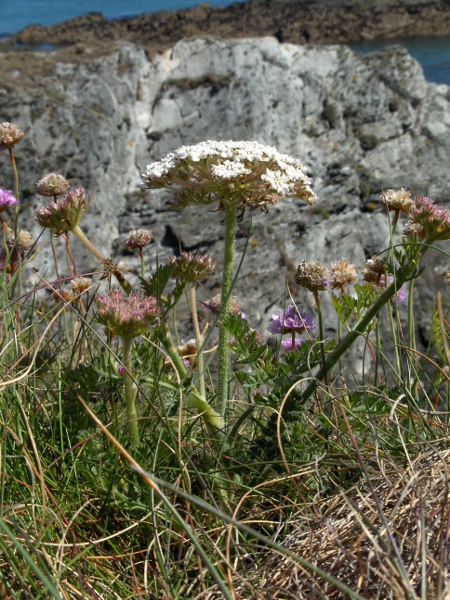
(227,282)
(130,393)
(199,340)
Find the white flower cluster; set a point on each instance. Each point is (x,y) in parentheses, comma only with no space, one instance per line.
(251,167)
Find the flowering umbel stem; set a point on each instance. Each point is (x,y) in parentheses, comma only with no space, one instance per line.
(227,282)
(130,393)
(199,340)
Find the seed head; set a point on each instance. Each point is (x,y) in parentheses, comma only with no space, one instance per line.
(212,306)
(191,268)
(128,317)
(374,270)
(290,320)
(397,200)
(138,238)
(10,135)
(414,232)
(66,214)
(342,273)
(247,172)
(52,185)
(6,199)
(22,243)
(313,276)
(80,284)
(434,219)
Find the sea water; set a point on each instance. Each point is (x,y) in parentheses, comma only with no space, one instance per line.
(433,53)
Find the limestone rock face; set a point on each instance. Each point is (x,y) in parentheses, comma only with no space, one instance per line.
(359,124)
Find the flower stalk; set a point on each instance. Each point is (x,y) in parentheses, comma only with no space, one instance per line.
(130,392)
(227,283)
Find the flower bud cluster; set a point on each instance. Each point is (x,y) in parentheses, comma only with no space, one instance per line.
(128,317)
(248,172)
(65,214)
(191,268)
(434,219)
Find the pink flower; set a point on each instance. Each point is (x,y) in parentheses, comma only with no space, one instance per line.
(6,199)
(291,344)
(290,320)
(128,317)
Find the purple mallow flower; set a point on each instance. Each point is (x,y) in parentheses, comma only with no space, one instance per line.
(6,199)
(291,320)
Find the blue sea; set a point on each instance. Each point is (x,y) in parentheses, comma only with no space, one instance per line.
(433,53)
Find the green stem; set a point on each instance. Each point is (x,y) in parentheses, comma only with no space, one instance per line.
(117,274)
(321,336)
(227,282)
(352,335)
(141,253)
(199,340)
(130,393)
(172,351)
(16,189)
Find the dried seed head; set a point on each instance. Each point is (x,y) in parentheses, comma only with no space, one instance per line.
(10,135)
(128,317)
(80,284)
(138,238)
(342,273)
(374,270)
(191,268)
(52,185)
(313,276)
(212,306)
(22,243)
(397,200)
(414,232)
(64,295)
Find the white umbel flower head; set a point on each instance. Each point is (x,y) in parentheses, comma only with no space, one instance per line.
(249,173)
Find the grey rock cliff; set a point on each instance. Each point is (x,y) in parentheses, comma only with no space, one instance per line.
(360,124)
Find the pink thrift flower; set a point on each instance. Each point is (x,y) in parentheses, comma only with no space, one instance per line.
(6,199)
(290,344)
